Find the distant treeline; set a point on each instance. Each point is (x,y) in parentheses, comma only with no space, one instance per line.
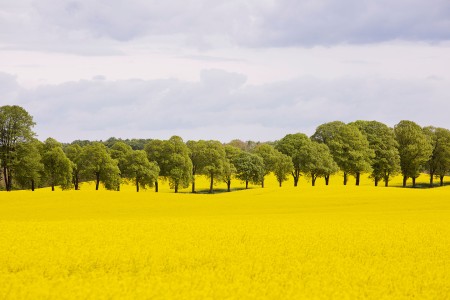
(354,148)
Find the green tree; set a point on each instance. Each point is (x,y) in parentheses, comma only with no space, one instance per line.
(75,153)
(177,163)
(229,170)
(348,146)
(214,160)
(208,158)
(414,147)
(439,162)
(139,169)
(57,167)
(269,155)
(283,167)
(156,152)
(120,151)
(296,146)
(197,152)
(249,167)
(381,138)
(15,128)
(320,163)
(27,166)
(98,163)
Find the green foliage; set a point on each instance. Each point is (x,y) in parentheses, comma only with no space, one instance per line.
(414,147)
(214,160)
(172,157)
(98,164)
(381,138)
(348,146)
(74,152)
(27,166)
(178,163)
(120,152)
(15,128)
(57,167)
(319,162)
(282,167)
(139,169)
(156,151)
(439,162)
(249,167)
(229,169)
(296,146)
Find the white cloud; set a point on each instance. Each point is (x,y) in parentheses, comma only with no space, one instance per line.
(98,109)
(94,27)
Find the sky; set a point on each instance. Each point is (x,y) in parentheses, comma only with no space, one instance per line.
(207,69)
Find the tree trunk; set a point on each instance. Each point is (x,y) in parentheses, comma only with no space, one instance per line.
(441,179)
(405,178)
(229,185)
(262,183)
(376,181)
(386,180)
(97,182)
(345,178)
(246,184)
(431,179)
(32,185)
(176,188)
(414,182)
(9,181)
(211,183)
(296,175)
(313,180)
(6,177)
(53,187)
(193,183)
(137,185)
(327,179)
(358,176)
(280,182)
(156,186)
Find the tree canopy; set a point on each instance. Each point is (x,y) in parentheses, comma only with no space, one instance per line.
(414,147)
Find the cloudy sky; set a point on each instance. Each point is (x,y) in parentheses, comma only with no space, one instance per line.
(207,69)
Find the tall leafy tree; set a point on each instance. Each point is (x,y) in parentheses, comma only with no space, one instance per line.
(348,146)
(27,166)
(197,152)
(283,167)
(320,163)
(57,167)
(439,162)
(296,146)
(414,147)
(176,163)
(249,167)
(156,152)
(269,155)
(214,160)
(139,169)
(15,127)
(121,151)
(99,164)
(74,152)
(381,138)
(229,169)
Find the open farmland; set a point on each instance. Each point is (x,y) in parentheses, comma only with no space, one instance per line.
(323,242)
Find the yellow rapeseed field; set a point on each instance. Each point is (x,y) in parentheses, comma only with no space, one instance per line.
(323,242)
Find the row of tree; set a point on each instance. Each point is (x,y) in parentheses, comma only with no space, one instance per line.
(353,149)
